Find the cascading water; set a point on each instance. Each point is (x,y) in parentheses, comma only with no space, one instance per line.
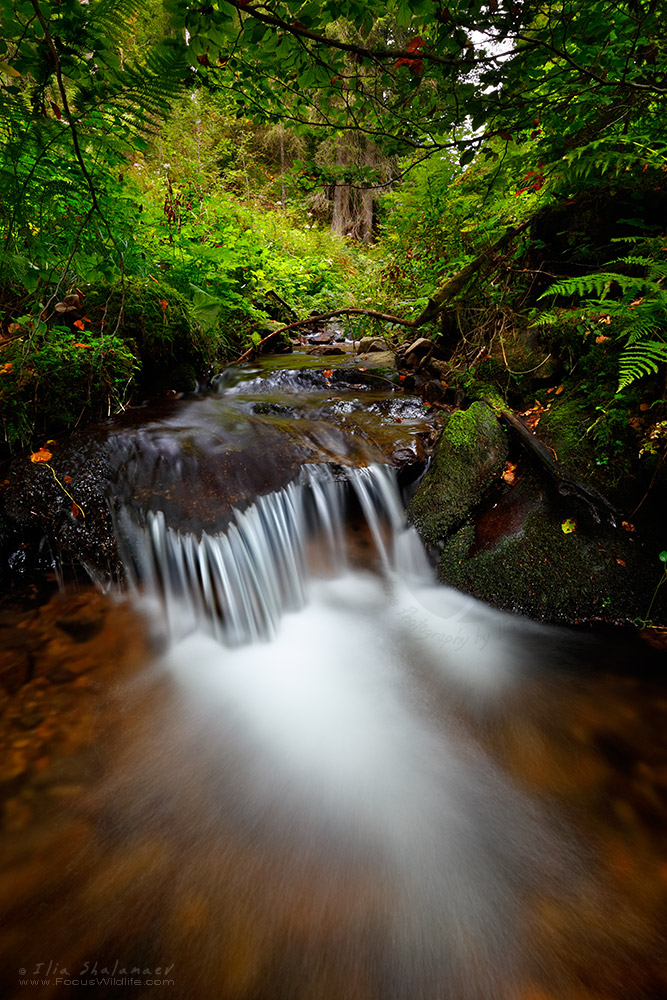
(239,582)
(331,779)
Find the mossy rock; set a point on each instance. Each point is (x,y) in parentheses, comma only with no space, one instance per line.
(539,570)
(472,447)
(157,321)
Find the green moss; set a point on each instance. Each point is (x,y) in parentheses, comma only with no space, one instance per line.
(542,572)
(59,378)
(472,447)
(156,320)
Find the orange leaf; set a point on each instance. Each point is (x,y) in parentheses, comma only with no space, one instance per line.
(415,44)
(601,339)
(509,473)
(79,324)
(87,346)
(75,509)
(328,373)
(559,390)
(627,526)
(8,367)
(621,562)
(644,406)
(67,479)
(41,456)
(163,305)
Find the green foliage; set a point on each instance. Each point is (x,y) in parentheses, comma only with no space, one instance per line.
(632,308)
(51,378)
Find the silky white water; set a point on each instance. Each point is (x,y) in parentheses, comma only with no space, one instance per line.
(337,701)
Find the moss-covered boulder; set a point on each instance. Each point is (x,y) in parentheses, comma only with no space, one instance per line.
(157,321)
(471,448)
(534,553)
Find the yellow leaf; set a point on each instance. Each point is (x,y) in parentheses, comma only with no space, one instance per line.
(8,70)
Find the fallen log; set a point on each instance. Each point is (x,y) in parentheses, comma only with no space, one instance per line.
(598,506)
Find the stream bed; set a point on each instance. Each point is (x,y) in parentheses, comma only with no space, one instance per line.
(281,762)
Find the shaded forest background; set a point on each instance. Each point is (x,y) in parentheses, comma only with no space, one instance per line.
(178,180)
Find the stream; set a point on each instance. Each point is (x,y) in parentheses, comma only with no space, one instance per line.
(284,764)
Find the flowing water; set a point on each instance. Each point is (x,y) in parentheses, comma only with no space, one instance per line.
(287,764)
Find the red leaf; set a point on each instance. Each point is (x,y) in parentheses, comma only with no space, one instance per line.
(56,110)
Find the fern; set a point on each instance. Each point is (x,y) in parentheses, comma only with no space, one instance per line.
(639,359)
(634,307)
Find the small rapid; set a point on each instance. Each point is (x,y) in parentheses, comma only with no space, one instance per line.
(285,764)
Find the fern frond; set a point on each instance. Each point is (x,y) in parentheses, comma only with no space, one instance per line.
(597,284)
(640,359)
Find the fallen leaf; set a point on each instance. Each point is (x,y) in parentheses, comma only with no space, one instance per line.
(509,473)
(568,526)
(87,346)
(79,324)
(6,368)
(67,479)
(41,456)
(559,390)
(328,373)
(75,509)
(621,562)
(627,526)
(601,339)
(644,406)
(163,305)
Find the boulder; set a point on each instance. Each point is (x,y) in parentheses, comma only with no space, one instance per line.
(533,552)
(471,448)
(370,345)
(325,350)
(418,352)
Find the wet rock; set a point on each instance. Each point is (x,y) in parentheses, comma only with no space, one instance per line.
(434,392)
(471,448)
(518,558)
(371,345)
(15,669)
(80,621)
(325,350)
(321,338)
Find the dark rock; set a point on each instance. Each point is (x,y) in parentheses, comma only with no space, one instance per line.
(325,350)
(434,392)
(418,352)
(321,338)
(15,668)
(471,448)
(517,557)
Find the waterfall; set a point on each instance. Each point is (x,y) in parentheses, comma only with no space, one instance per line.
(238,583)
